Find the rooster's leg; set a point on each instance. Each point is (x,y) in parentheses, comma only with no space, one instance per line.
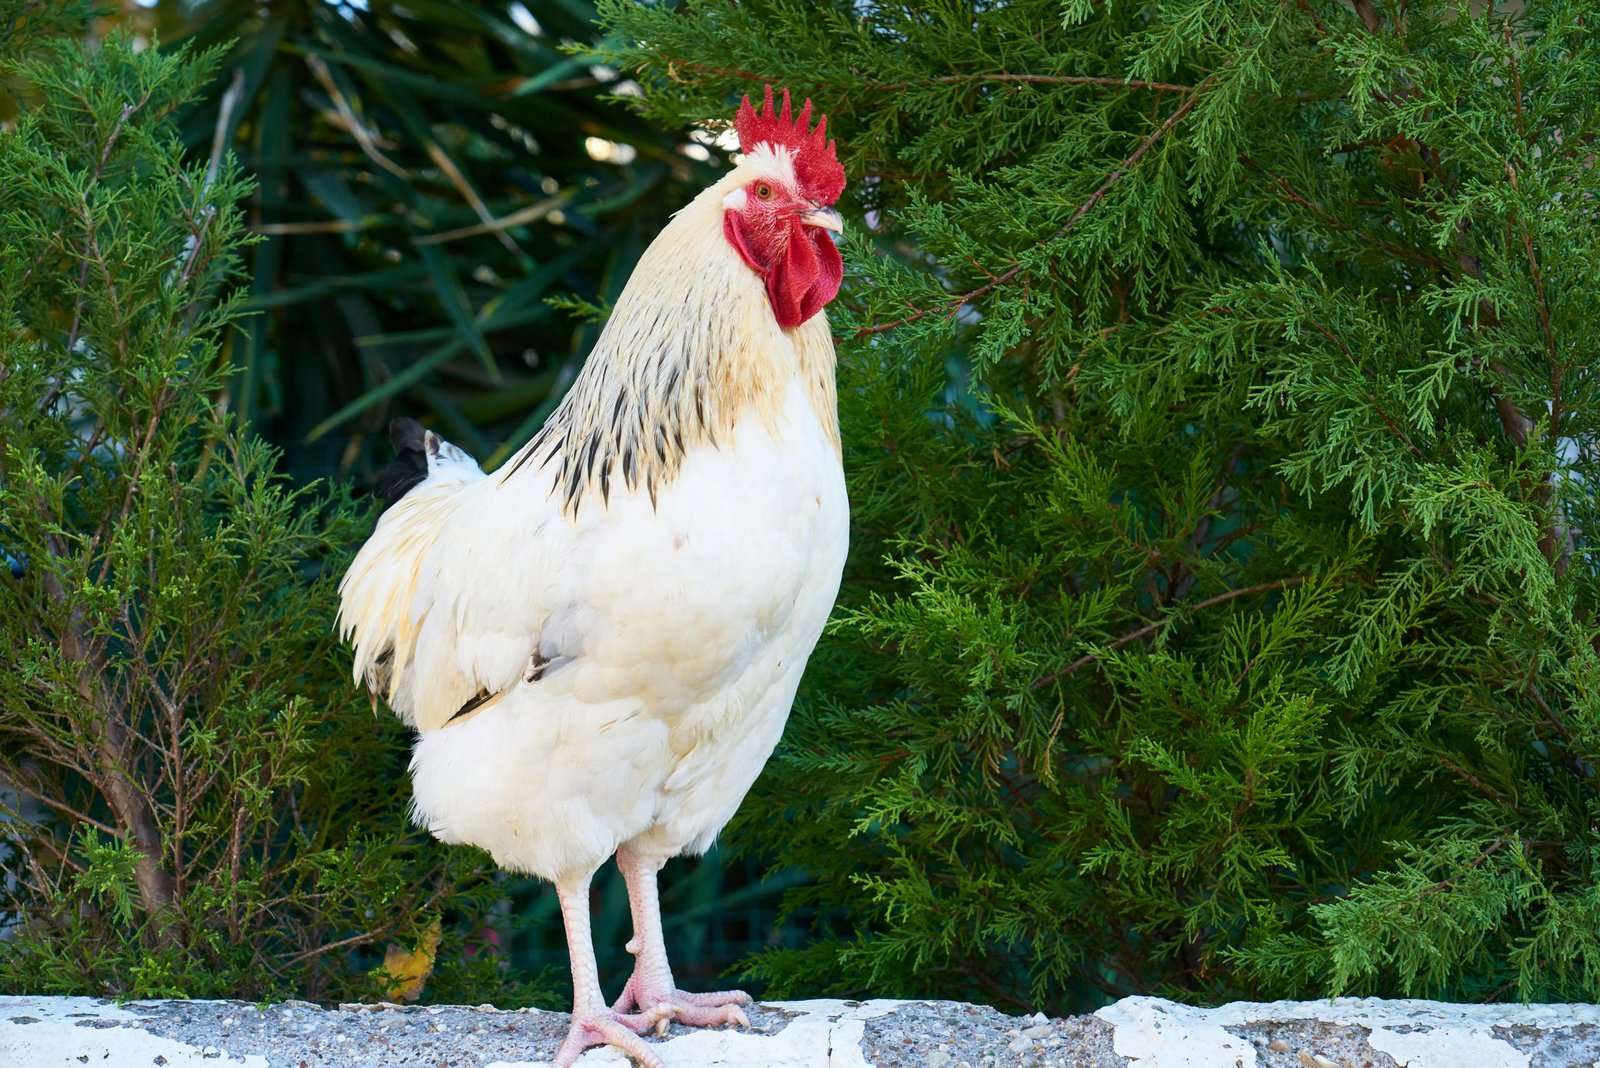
(652,986)
(593,1023)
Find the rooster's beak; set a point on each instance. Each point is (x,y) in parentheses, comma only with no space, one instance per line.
(824,219)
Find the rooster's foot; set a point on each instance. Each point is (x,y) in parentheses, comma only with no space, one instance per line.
(695,1010)
(619,1030)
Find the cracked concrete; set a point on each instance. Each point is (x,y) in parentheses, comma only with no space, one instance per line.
(38,1032)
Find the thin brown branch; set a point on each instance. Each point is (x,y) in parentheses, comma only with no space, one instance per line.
(1383,414)
(1150,628)
(1477,862)
(1039,79)
(198,236)
(674,65)
(358,130)
(1556,541)
(1549,714)
(116,132)
(59,856)
(110,739)
(65,809)
(1552,359)
(1476,783)
(1369,15)
(1115,175)
(362,939)
(1316,20)
(1328,218)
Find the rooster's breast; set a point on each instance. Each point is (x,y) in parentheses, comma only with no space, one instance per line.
(710,604)
(677,635)
(738,559)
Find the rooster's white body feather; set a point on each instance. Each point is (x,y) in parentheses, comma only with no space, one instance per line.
(599,644)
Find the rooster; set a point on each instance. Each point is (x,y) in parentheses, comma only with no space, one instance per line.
(599,643)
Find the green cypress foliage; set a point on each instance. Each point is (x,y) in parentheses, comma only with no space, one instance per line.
(193,799)
(1222,425)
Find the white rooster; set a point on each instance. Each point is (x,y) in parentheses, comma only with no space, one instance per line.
(599,643)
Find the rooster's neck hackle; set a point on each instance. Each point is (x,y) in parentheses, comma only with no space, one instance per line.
(691,347)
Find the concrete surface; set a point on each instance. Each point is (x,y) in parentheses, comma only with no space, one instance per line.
(1143,1032)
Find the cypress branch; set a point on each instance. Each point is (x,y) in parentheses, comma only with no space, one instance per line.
(1285,303)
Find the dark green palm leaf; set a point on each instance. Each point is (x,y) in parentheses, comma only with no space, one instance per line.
(428,174)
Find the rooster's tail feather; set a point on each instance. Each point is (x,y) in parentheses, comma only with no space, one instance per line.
(377,596)
(410,466)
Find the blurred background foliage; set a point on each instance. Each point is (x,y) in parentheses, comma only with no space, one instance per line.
(429,174)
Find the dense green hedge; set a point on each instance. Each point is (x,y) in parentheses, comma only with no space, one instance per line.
(1222,422)
(195,801)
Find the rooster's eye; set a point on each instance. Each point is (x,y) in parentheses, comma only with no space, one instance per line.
(764,191)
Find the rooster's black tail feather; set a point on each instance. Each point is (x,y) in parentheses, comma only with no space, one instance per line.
(410,464)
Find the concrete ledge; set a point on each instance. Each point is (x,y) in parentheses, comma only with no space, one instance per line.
(1142,1032)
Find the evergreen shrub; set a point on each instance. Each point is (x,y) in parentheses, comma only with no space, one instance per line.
(1222,426)
(193,799)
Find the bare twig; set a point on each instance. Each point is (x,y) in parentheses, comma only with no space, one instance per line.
(1150,628)
(674,65)
(65,809)
(354,940)
(219,136)
(1477,862)
(358,129)
(1040,79)
(1328,218)
(528,214)
(1116,174)
(470,195)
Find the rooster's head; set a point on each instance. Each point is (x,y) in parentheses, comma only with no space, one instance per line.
(776,220)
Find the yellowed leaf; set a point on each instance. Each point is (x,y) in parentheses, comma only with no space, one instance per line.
(407,970)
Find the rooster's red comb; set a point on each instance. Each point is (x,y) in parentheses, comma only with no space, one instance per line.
(815,163)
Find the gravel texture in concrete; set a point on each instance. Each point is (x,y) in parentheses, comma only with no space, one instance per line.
(1354,1033)
(1141,1032)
